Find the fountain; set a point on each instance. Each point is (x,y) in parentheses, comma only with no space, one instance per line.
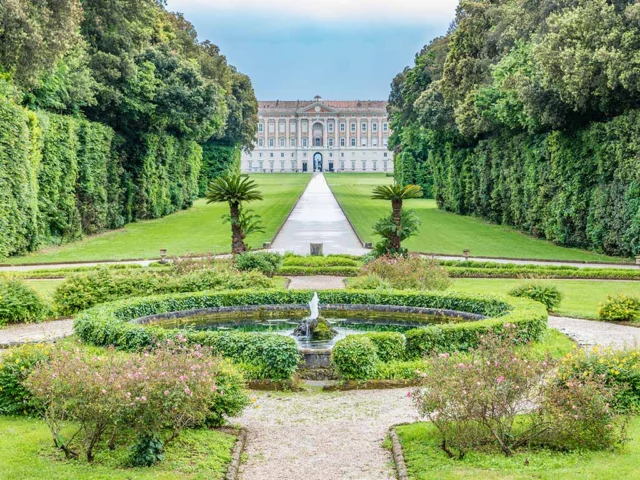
(314,326)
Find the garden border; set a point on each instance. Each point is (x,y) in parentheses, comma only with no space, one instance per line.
(233,472)
(398,454)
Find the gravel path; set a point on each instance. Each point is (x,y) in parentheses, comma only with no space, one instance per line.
(591,332)
(35,332)
(316,282)
(321,436)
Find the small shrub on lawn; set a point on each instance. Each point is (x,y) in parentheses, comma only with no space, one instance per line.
(267,263)
(408,272)
(620,308)
(157,394)
(496,397)
(15,367)
(355,358)
(369,282)
(548,295)
(620,369)
(19,303)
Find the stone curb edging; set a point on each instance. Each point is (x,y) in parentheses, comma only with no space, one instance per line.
(233,472)
(398,456)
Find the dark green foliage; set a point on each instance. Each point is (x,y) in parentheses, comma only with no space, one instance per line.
(230,383)
(355,358)
(267,263)
(19,303)
(15,367)
(390,346)
(216,161)
(548,295)
(147,451)
(291,260)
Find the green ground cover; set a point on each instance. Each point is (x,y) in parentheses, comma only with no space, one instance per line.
(197,230)
(45,288)
(581,298)
(426,460)
(26,451)
(444,232)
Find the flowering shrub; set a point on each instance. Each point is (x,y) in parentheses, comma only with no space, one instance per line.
(15,367)
(408,272)
(19,303)
(369,282)
(156,393)
(620,369)
(548,295)
(494,396)
(619,308)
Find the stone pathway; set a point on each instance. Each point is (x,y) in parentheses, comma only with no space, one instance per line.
(592,332)
(317,218)
(537,262)
(321,436)
(35,332)
(316,282)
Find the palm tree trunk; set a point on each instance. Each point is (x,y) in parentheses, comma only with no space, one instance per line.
(396,207)
(237,243)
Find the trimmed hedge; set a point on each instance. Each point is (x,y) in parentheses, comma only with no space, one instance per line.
(541,272)
(355,357)
(390,346)
(276,356)
(307,271)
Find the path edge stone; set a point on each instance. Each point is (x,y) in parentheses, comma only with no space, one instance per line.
(233,472)
(397,454)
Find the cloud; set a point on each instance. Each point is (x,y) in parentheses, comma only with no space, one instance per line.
(352,11)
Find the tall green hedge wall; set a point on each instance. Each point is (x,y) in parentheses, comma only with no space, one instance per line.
(216,160)
(577,189)
(61,177)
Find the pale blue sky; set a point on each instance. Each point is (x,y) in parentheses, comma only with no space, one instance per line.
(339,49)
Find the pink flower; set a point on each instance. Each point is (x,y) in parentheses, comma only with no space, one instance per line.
(166,392)
(187,391)
(409,394)
(500,379)
(444,355)
(143,398)
(104,391)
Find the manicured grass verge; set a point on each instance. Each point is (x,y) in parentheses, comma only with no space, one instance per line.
(581,298)
(426,461)
(444,232)
(27,452)
(197,230)
(45,288)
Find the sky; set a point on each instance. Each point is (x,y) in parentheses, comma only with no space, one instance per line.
(338,49)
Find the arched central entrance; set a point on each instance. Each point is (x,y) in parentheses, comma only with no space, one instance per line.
(317,162)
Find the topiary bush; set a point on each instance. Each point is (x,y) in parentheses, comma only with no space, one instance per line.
(548,295)
(619,308)
(390,346)
(15,367)
(20,303)
(267,263)
(355,357)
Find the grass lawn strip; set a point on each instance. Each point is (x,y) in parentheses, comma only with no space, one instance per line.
(196,230)
(426,461)
(27,452)
(444,232)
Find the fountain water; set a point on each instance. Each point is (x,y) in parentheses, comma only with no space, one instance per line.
(314,326)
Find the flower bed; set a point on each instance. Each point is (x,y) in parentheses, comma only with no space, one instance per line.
(275,356)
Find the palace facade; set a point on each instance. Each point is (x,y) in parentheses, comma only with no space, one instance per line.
(319,135)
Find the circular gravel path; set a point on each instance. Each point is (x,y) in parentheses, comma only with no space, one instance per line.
(316,282)
(35,332)
(321,436)
(591,332)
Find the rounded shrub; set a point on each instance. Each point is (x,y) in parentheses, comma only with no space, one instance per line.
(548,295)
(619,308)
(390,346)
(19,303)
(15,367)
(355,357)
(267,263)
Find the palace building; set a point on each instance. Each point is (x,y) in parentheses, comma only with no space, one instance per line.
(318,135)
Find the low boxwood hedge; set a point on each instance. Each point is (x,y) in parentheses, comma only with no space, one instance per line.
(338,271)
(276,356)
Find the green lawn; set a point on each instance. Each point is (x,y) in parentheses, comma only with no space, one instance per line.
(197,230)
(581,298)
(426,460)
(45,288)
(27,452)
(443,232)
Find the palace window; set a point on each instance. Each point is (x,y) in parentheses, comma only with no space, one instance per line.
(318,142)
(375,165)
(353,165)
(293,165)
(260,154)
(364,142)
(342,154)
(272,127)
(353,142)
(304,126)
(331,142)
(282,127)
(271,154)
(385,154)
(342,142)
(250,165)
(374,141)
(353,127)
(342,165)
(304,142)
(271,142)
(364,126)
(261,164)
(260,127)
(293,142)
(374,127)
(384,164)
(260,142)
(331,127)
(282,165)
(331,154)
(292,127)
(385,127)
(364,165)
(282,155)
(271,165)
(343,127)
(385,141)
(282,141)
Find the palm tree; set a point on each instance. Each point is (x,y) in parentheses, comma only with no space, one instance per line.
(234,189)
(396,194)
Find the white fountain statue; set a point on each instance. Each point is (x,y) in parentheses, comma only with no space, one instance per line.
(313,306)
(315,326)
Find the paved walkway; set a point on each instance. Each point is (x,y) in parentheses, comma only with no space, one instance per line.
(35,332)
(317,218)
(316,282)
(591,332)
(320,436)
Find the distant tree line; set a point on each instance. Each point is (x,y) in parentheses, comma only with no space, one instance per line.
(106,108)
(527,113)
